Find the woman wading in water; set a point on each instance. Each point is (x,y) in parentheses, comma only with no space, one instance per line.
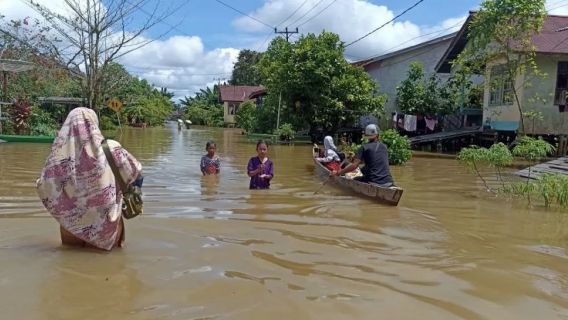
(77,185)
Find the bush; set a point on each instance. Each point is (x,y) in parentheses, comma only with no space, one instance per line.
(285,132)
(245,116)
(41,123)
(398,146)
(107,123)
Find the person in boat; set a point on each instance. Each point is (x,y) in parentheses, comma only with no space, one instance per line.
(330,158)
(375,156)
(210,163)
(77,185)
(260,168)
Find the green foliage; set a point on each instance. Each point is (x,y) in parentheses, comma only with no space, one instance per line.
(418,94)
(319,88)
(41,123)
(473,156)
(151,110)
(504,29)
(266,119)
(285,132)
(107,123)
(499,155)
(246,116)
(246,70)
(398,146)
(532,149)
(204,107)
(550,188)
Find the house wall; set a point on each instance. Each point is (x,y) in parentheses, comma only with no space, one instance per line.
(543,90)
(228,118)
(389,72)
(536,93)
(505,117)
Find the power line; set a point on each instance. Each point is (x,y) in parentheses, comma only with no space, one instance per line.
(306,13)
(244,14)
(286,32)
(265,40)
(386,23)
(293,13)
(317,14)
(437,32)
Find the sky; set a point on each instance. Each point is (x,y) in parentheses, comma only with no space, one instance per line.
(197,45)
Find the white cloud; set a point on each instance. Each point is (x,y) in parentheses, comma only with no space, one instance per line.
(351,19)
(179,63)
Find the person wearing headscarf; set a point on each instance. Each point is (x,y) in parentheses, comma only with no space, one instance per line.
(330,158)
(77,185)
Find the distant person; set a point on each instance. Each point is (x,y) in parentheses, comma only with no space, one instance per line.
(77,185)
(375,156)
(330,158)
(210,163)
(260,168)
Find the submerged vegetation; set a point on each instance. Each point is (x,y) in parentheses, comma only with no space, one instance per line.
(552,189)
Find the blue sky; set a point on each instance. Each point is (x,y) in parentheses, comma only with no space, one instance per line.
(205,44)
(213,22)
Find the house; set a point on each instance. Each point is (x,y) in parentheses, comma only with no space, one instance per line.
(544,94)
(390,69)
(233,96)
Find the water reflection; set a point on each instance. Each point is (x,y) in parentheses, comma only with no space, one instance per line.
(207,247)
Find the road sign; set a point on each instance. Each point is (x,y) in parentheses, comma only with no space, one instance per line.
(114,104)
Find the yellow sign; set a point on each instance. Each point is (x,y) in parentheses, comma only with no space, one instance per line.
(115,104)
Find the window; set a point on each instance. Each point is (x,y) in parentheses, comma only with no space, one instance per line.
(233,108)
(501,91)
(561,83)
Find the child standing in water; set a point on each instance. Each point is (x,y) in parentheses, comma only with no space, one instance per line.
(259,168)
(210,163)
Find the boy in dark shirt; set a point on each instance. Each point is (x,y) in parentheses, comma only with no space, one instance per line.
(375,156)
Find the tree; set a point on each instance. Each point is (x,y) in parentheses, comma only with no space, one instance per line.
(29,40)
(317,86)
(245,71)
(245,116)
(97,33)
(418,94)
(204,107)
(502,29)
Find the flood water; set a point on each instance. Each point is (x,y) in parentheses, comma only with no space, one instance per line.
(209,248)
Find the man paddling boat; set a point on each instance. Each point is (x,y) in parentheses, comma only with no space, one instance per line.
(375,156)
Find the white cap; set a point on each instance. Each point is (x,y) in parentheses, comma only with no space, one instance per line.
(372,130)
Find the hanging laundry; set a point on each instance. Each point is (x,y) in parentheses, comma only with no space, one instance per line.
(431,122)
(410,123)
(400,120)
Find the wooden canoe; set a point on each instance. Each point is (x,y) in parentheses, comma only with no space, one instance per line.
(20,138)
(390,196)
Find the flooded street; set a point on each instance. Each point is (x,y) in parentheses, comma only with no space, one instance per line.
(209,248)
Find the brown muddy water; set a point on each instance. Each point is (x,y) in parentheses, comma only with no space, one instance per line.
(209,248)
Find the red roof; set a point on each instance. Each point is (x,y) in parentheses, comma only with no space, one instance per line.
(550,40)
(237,93)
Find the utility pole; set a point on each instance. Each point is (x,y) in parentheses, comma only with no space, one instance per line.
(219,81)
(286,32)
